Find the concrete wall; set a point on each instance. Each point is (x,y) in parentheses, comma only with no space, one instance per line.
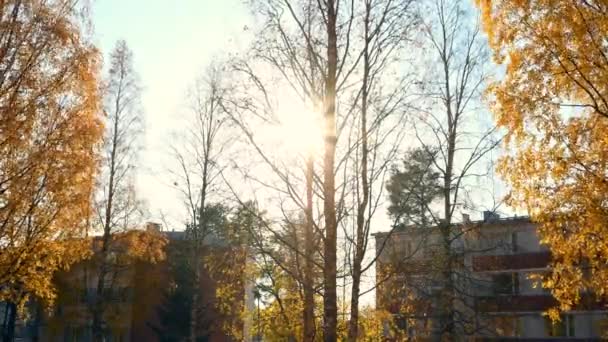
(528,241)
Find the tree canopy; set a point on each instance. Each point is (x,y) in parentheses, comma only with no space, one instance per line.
(553,104)
(49,129)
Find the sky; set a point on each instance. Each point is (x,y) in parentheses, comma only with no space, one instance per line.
(172,43)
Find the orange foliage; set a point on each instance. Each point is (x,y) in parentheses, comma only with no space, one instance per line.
(146,246)
(137,271)
(553,101)
(49,127)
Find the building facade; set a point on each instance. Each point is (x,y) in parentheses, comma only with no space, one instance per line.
(138,300)
(496,263)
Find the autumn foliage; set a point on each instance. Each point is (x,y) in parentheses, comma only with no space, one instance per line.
(135,270)
(49,127)
(60,168)
(553,102)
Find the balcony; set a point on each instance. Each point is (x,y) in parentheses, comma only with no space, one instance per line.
(522,261)
(534,303)
(515,303)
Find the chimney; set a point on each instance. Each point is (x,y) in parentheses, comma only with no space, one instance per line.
(153,227)
(489,216)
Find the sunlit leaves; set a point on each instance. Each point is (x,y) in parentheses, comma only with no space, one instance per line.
(49,126)
(552,101)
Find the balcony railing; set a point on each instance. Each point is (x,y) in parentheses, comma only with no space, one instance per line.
(515,303)
(519,303)
(520,261)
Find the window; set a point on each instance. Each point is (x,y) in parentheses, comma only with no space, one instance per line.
(427,251)
(83,292)
(407,246)
(413,326)
(514,242)
(125,294)
(68,334)
(505,284)
(507,326)
(429,248)
(74,333)
(401,322)
(563,328)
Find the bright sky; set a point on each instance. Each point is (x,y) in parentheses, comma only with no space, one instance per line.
(172,42)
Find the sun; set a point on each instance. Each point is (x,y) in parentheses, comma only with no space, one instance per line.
(300,129)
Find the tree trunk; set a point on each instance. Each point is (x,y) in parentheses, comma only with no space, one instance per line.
(198,241)
(5,321)
(10,317)
(330,308)
(309,300)
(446,298)
(195,294)
(97,324)
(37,321)
(353,324)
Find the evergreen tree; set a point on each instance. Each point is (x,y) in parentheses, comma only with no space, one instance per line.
(413,188)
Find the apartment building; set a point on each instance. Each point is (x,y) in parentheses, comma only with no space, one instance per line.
(139,292)
(494,261)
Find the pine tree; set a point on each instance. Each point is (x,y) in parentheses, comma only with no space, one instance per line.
(413,188)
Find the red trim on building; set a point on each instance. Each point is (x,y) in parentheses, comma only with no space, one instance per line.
(515,303)
(511,261)
(532,303)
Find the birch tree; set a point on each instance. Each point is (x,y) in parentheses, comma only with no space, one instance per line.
(49,128)
(281,49)
(117,207)
(198,159)
(295,39)
(446,129)
(379,125)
